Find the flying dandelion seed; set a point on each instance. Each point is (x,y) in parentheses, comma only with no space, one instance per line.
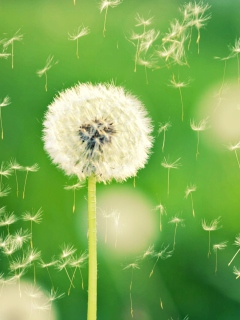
(47,266)
(212,226)
(169,166)
(179,85)
(201,126)
(147,64)
(236,243)
(163,128)
(216,247)
(234,148)
(136,37)
(189,190)
(132,266)
(62,265)
(175,220)
(162,211)
(16,167)
(4,55)
(81,32)
(74,187)
(49,64)
(5,171)
(236,271)
(104,6)
(32,217)
(5,102)
(235,50)
(163,254)
(16,37)
(33,168)
(7,219)
(4,191)
(77,263)
(143,22)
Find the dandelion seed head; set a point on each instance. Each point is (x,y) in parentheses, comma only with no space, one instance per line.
(201,126)
(171,165)
(164,127)
(104,4)
(220,246)
(81,32)
(212,226)
(5,102)
(189,189)
(143,22)
(99,130)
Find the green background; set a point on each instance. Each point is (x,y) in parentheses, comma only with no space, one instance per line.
(186,283)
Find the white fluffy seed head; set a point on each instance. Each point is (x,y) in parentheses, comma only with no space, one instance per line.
(97,129)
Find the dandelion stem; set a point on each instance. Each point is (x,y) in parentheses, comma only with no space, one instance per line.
(92,250)
(77,50)
(12,54)
(235,151)
(136,56)
(45,73)
(209,244)
(1,123)
(24,189)
(193,212)
(168,181)
(197,153)
(180,92)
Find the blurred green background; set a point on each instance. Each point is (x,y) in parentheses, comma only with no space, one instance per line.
(186,283)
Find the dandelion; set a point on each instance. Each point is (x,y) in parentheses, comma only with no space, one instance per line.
(16,167)
(234,148)
(132,266)
(5,171)
(201,126)
(236,272)
(189,190)
(175,220)
(20,237)
(97,133)
(33,168)
(81,32)
(163,127)
(104,6)
(32,217)
(163,254)
(74,187)
(149,252)
(236,243)
(49,64)
(216,247)
(179,85)
(169,166)
(162,211)
(212,226)
(17,37)
(5,102)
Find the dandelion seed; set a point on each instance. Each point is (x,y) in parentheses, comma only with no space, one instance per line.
(235,50)
(234,148)
(147,39)
(132,266)
(33,168)
(7,219)
(162,211)
(201,126)
(62,265)
(4,191)
(81,32)
(146,64)
(163,254)
(189,190)
(169,166)
(175,220)
(236,272)
(163,128)
(49,64)
(4,55)
(216,247)
(46,266)
(8,246)
(106,136)
(104,6)
(16,167)
(143,22)
(29,258)
(5,102)
(20,237)
(16,37)
(136,37)
(212,226)
(5,171)
(149,252)
(78,263)
(67,251)
(74,187)
(236,243)
(32,217)
(179,85)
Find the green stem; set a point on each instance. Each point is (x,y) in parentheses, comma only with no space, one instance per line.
(92,249)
